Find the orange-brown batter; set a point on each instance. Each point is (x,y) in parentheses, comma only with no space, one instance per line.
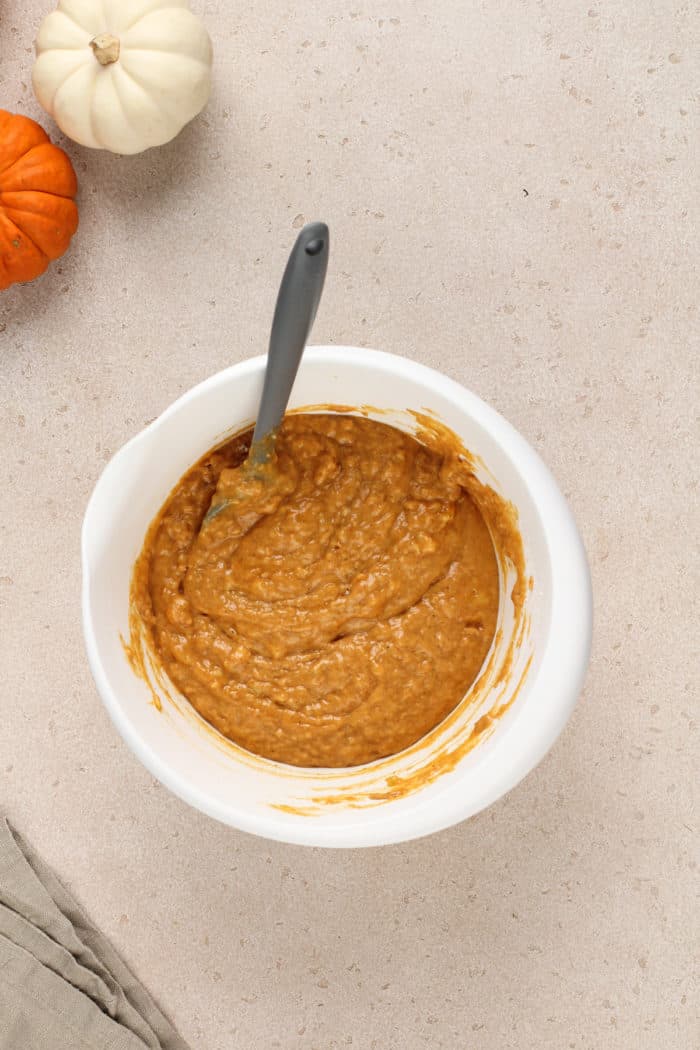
(338,607)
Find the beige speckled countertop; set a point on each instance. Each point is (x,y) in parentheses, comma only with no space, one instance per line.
(513,196)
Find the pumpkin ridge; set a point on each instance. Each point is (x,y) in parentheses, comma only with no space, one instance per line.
(66,47)
(15,170)
(36,193)
(48,238)
(78,69)
(144,87)
(91,118)
(19,156)
(11,163)
(122,105)
(144,14)
(123,71)
(26,237)
(165,51)
(162,103)
(22,207)
(77,25)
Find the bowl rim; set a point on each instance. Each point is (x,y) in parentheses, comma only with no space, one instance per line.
(568,642)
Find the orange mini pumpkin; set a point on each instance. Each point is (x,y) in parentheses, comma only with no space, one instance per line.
(38,215)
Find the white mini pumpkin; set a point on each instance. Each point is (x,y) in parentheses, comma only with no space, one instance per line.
(122,75)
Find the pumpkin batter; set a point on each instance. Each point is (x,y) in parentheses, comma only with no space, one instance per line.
(340,604)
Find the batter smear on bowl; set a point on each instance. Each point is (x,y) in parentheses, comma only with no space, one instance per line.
(341,603)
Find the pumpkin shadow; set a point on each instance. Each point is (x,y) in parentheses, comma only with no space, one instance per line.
(134,184)
(22,304)
(114,191)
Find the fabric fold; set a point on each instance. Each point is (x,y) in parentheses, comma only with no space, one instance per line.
(62,985)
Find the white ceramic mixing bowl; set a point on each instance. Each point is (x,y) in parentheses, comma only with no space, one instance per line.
(443,779)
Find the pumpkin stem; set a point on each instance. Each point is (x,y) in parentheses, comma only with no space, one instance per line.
(105,48)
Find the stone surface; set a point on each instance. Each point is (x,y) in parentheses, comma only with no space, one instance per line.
(513,197)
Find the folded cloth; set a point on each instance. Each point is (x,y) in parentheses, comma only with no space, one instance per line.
(62,986)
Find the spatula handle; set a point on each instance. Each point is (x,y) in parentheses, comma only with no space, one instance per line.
(297,302)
